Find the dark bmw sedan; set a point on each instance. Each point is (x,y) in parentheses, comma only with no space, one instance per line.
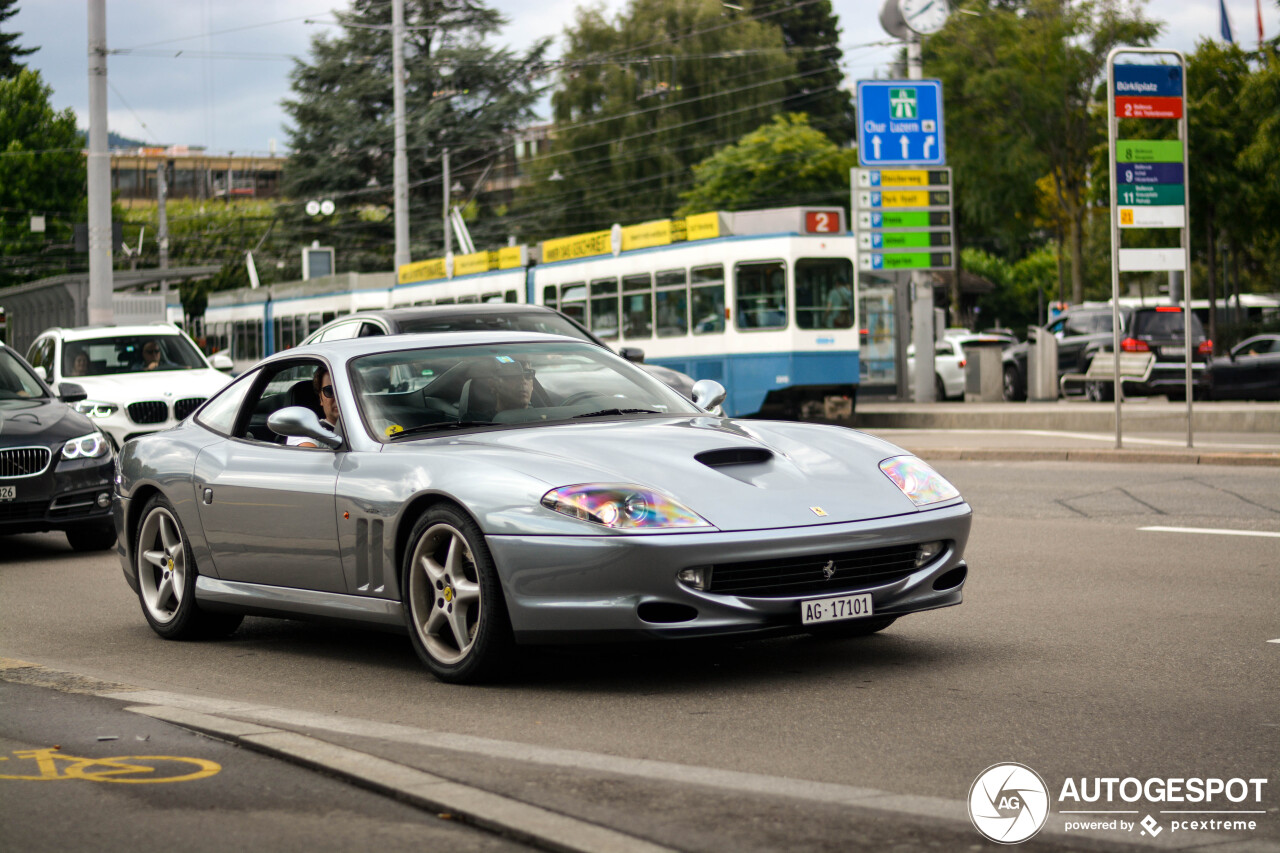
(56,467)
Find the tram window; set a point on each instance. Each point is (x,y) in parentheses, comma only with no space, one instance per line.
(604,307)
(824,296)
(637,306)
(512,296)
(549,296)
(573,301)
(707,299)
(761,290)
(672,303)
(492,296)
(468,299)
(314,322)
(328,315)
(448,300)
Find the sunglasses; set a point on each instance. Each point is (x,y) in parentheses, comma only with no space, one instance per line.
(327,391)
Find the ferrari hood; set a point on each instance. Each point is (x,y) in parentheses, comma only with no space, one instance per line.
(737,475)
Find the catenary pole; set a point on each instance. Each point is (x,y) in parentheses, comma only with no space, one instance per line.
(101,283)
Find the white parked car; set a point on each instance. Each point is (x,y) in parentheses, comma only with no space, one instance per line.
(139,379)
(949,362)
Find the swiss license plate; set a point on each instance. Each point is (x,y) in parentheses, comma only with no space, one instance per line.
(835,608)
(1178,351)
(8,493)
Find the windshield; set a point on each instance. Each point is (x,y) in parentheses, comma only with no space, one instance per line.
(129,354)
(420,391)
(548,323)
(16,382)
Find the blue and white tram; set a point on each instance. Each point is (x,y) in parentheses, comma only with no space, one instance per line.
(771,317)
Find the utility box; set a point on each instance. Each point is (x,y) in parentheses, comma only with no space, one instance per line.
(1042,365)
(983,376)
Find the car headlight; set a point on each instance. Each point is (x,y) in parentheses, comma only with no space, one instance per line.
(621,507)
(918,481)
(86,447)
(96,409)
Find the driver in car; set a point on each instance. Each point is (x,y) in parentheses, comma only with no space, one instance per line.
(328,402)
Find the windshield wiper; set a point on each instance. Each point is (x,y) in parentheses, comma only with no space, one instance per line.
(442,426)
(604,412)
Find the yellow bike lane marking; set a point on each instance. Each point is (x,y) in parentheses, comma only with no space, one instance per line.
(118,769)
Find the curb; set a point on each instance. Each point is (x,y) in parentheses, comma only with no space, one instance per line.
(1098,455)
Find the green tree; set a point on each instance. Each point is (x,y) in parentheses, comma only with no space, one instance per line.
(1020,78)
(460,94)
(9,49)
(811,32)
(42,172)
(782,163)
(642,98)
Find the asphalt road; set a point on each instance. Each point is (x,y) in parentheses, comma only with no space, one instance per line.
(200,795)
(1086,647)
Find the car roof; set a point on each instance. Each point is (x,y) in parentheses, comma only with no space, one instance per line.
(415,312)
(349,348)
(87,333)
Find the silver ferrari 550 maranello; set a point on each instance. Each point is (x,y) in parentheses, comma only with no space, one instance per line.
(483,490)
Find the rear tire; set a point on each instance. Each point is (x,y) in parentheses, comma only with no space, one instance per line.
(453,600)
(940,388)
(1098,392)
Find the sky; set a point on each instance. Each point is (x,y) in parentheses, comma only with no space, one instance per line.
(213,72)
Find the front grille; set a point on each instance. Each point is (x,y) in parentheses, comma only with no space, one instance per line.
(24,462)
(27,511)
(184,407)
(149,412)
(804,575)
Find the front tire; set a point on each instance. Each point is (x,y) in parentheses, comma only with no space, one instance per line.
(167,578)
(453,600)
(1098,392)
(1012,385)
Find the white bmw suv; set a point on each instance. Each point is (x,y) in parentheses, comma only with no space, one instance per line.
(139,379)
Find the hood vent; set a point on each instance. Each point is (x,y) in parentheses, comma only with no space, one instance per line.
(730,456)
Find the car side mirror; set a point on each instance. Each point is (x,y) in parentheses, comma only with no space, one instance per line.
(301,421)
(221,361)
(70,392)
(42,373)
(632,354)
(708,393)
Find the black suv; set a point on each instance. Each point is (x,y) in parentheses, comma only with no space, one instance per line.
(1084,332)
(56,467)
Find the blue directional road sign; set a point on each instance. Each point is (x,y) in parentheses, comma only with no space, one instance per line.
(900,123)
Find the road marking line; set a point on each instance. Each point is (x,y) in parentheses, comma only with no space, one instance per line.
(1274,641)
(1212,530)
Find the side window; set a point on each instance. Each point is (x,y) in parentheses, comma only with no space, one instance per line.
(219,414)
(672,303)
(824,295)
(604,307)
(341,332)
(288,384)
(706,293)
(761,290)
(41,355)
(637,306)
(370,330)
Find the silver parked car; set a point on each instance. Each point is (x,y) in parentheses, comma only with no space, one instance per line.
(482,490)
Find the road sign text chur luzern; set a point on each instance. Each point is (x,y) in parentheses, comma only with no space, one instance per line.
(900,123)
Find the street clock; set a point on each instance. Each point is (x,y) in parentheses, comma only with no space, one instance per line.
(925,17)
